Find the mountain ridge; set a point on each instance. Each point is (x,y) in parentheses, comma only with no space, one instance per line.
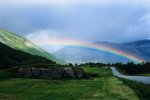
(138,42)
(89,55)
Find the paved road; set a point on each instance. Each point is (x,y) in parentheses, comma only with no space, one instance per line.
(142,79)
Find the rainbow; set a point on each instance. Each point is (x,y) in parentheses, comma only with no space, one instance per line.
(99,47)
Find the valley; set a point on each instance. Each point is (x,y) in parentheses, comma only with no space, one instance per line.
(28,72)
(74,49)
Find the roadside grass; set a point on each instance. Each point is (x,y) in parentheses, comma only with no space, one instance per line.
(142,90)
(104,87)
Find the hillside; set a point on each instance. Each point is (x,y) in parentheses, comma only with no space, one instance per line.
(142,46)
(17,42)
(11,57)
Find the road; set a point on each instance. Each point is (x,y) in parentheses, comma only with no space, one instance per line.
(141,79)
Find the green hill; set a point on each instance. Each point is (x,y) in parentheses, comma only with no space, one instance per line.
(17,42)
(10,57)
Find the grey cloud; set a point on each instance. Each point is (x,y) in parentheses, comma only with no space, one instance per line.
(111,21)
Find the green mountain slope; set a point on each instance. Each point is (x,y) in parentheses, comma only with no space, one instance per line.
(17,42)
(10,58)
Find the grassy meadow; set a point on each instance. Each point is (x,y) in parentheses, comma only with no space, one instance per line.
(103,87)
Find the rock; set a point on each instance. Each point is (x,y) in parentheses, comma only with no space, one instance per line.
(79,73)
(52,72)
(68,72)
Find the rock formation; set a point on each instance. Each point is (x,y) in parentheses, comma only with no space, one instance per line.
(52,72)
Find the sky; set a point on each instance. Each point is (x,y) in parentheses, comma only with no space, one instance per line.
(81,20)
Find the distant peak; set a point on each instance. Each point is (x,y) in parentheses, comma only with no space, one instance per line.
(138,42)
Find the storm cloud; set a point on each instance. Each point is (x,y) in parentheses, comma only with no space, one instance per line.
(85,20)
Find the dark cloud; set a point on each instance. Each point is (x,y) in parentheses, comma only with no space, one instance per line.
(100,21)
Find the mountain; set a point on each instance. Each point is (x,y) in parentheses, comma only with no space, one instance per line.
(76,54)
(139,43)
(11,57)
(143,46)
(17,42)
(124,48)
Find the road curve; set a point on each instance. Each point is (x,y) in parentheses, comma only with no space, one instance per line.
(141,79)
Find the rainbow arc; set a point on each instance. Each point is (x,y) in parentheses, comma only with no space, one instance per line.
(99,47)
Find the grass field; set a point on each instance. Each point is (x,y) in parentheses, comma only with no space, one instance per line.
(104,87)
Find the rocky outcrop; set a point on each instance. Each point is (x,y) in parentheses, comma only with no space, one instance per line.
(52,72)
